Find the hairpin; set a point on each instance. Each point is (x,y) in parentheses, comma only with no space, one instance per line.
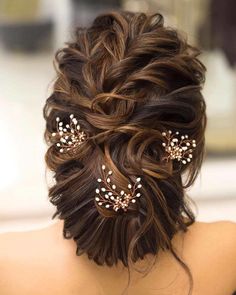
(180,149)
(108,197)
(70,135)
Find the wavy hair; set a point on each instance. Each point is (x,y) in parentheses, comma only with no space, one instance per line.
(127,78)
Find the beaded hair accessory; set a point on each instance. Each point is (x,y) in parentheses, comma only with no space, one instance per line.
(70,135)
(109,197)
(178,148)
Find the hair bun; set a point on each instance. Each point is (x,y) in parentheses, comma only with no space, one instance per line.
(127,79)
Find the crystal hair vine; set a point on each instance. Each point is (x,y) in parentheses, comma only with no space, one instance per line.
(70,135)
(108,197)
(178,148)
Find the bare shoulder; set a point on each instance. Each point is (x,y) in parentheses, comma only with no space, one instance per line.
(14,246)
(7,243)
(223,230)
(8,258)
(216,236)
(37,241)
(210,249)
(222,225)
(226,228)
(27,255)
(19,247)
(38,260)
(10,241)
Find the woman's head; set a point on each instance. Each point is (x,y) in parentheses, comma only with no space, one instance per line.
(126,78)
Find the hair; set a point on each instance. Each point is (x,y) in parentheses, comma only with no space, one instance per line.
(126,78)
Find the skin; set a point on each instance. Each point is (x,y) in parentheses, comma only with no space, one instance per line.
(42,262)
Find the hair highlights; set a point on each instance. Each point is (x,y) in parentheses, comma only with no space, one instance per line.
(127,79)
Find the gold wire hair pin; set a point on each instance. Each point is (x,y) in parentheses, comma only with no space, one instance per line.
(178,148)
(108,197)
(70,135)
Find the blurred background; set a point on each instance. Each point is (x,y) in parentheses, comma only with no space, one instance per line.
(30,33)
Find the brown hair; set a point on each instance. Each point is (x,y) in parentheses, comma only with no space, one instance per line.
(126,78)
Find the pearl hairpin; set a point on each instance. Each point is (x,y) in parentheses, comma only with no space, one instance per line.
(108,197)
(180,149)
(70,134)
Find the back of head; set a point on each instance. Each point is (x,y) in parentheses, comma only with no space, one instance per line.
(127,79)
